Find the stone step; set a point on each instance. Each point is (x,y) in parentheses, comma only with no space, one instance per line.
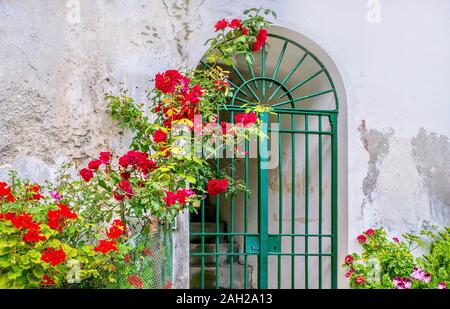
(224,277)
(210,227)
(211,259)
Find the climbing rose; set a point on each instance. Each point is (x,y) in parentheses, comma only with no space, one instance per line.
(217,186)
(136,281)
(395,239)
(94,164)
(183,194)
(361,239)
(117,229)
(104,246)
(53,256)
(159,136)
(221,24)
(86,174)
(169,80)
(246,119)
(235,23)
(244,31)
(402,283)
(442,286)
(105,157)
(359,280)
(349,259)
(370,232)
(261,38)
(5,192)
(171,198)
(137,160)
(125,186)
(118,197)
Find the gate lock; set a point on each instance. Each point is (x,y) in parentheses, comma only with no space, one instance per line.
(252,244)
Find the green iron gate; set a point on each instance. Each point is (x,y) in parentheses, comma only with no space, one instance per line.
(283,235)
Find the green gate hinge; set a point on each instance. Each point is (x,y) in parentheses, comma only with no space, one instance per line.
(273,246)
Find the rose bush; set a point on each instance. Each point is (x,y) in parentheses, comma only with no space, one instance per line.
(387,264)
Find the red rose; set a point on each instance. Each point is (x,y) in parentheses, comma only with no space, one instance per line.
(261,38)
(244,31)
(370,232)
(118,197)
(94,164)
(361,239)
(169,80)
(246,119)
(159,136)
(217,186)
(136,281)
(125,186)
(348,274)
(235,23)
(86,174)
(349,259)
(171,198)
(53,257)
(221,24)
(104,246)
(105,157)
(359,280)
(183,194)
(395,239)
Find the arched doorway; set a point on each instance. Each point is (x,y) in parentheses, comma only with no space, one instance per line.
(283,234)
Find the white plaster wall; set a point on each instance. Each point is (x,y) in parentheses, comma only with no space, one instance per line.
(54,73)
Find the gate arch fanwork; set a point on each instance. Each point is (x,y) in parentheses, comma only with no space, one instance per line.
(283,234)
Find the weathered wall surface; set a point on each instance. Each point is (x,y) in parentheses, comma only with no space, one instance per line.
(58,58)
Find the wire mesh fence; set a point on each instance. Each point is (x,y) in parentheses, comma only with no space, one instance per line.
(148,265)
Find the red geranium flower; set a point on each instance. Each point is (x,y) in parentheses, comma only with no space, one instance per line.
(86,174)
(136,281)
(46,280)
(217,186)
(56,219)
(33,235)
(94,164)
(159,136)
(370,232)
(359,280)
(361,239)
(32,192)
(261,38)
(235,23)
(5,192)
(104,246)
(221,24)
(53,256)
(105,157)
(349,259)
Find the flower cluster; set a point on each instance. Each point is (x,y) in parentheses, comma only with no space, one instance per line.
(25,222)
(116,230)
(246,119)
(87,173)
(57,219)
(5,192)
(137,161)
(180,196)
(53,256)
(32,192)
(233,24)
(217,186)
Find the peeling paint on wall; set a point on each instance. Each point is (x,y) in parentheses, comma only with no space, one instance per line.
(376,143)
(431,153)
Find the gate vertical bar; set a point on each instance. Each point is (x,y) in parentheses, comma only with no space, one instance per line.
(263,199)
(334,179)
(306,199)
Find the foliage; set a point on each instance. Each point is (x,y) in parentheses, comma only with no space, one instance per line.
(386,264)
(40,243)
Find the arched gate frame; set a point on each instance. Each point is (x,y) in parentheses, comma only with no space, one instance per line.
(284,95)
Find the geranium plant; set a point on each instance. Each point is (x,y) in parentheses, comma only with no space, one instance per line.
(387,264)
